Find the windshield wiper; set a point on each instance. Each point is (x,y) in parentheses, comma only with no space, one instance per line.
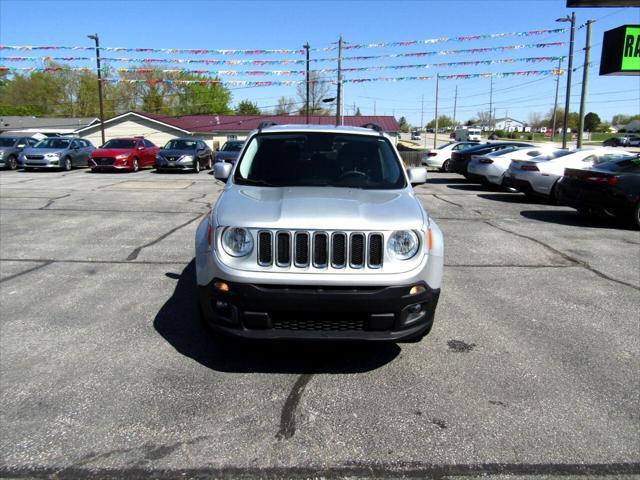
(260,183)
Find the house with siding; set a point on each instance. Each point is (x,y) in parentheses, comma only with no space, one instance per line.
(213,129)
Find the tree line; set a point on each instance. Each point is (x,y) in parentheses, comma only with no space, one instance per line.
(75,94)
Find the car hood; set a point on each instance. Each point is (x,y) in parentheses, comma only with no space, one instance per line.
(110,152)
(4,149)
(176,153)
(319,208)
(42,151)
(222,155)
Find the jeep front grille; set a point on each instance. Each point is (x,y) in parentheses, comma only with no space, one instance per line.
(302,249)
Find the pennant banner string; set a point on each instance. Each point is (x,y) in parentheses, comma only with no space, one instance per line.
(284,72)
(467,38)
(248,83)
(201,51)
(283,62)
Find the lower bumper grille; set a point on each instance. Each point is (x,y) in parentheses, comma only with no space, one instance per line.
(104,161)
(311,322)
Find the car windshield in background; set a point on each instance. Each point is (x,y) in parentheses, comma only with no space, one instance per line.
(613,157)
(52,143)
(7,141)
(120,143)
(232,146)
(181,145)
(320,159)
(623,164)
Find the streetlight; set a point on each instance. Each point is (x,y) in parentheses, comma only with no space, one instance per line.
(97,40)
(565,121)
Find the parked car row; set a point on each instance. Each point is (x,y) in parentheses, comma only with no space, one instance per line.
(622,141)
(118,154)
(594,181)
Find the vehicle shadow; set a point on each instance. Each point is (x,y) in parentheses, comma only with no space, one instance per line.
(446,180)
(470,187)
(572,218)
(513,197)
(178,322)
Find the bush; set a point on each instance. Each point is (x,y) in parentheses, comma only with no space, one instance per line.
(499,133)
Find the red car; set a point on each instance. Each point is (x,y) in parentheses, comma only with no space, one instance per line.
(128,154)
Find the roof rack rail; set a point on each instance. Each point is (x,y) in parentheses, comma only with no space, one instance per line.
(373,126)
(265,124)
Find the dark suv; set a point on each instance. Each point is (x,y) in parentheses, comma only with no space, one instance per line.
(10,149)
(460,160)
(184,154)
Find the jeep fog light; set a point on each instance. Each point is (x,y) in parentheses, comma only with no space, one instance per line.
(237,242)
(416,289)
(403,244)
(221,286)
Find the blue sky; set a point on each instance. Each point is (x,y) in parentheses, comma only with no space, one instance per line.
(289,24)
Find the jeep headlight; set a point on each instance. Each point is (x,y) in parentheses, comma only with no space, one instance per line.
(403,244)
(237,241)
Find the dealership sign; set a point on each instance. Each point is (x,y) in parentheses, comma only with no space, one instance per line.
(621,51)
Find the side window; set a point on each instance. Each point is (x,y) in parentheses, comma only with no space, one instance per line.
(73,145)
(149,144)
(22,143)
(32,141)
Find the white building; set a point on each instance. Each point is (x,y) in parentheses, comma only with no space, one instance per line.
(509,124)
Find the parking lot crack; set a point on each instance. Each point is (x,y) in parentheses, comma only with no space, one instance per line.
(134,254)
(29,270)
(447,201)
(52,201)
(288,416)
(563,255)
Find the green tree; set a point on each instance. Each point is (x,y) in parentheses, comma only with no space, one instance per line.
(591,122)
(404,125)
(204,98)
(443,122)
(246,107)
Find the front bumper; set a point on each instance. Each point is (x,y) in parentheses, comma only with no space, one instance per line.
(175,166)
(279,312)
(40,163)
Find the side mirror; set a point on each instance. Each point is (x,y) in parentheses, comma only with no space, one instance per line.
(222,170)
(417,175)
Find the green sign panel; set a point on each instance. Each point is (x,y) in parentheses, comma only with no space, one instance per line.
(621,51)
(631,52)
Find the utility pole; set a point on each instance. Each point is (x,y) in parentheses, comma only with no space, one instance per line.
(491,104)
(567,100)
(585,77)
(455,104)
(97,40)
(306,109)
(555,105)
(435,131)
(339,96)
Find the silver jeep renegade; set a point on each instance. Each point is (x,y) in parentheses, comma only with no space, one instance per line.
(318,234)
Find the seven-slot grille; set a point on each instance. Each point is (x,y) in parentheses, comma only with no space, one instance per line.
(320,249)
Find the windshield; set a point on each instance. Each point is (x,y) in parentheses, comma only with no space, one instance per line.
(7,141)
(181,145)
(445,145)
(119,143)
(320,159)
(53,143)
(232,146)
(630,163)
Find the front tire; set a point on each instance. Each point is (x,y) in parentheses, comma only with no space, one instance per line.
(636,216)
(196,168)
(67,165)
(136,167)
(12,163)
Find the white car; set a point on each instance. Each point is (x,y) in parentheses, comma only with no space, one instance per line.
(490,168)
(538,176)
(319,235)
(439,157)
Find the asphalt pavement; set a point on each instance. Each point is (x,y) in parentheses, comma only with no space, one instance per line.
(532,367)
